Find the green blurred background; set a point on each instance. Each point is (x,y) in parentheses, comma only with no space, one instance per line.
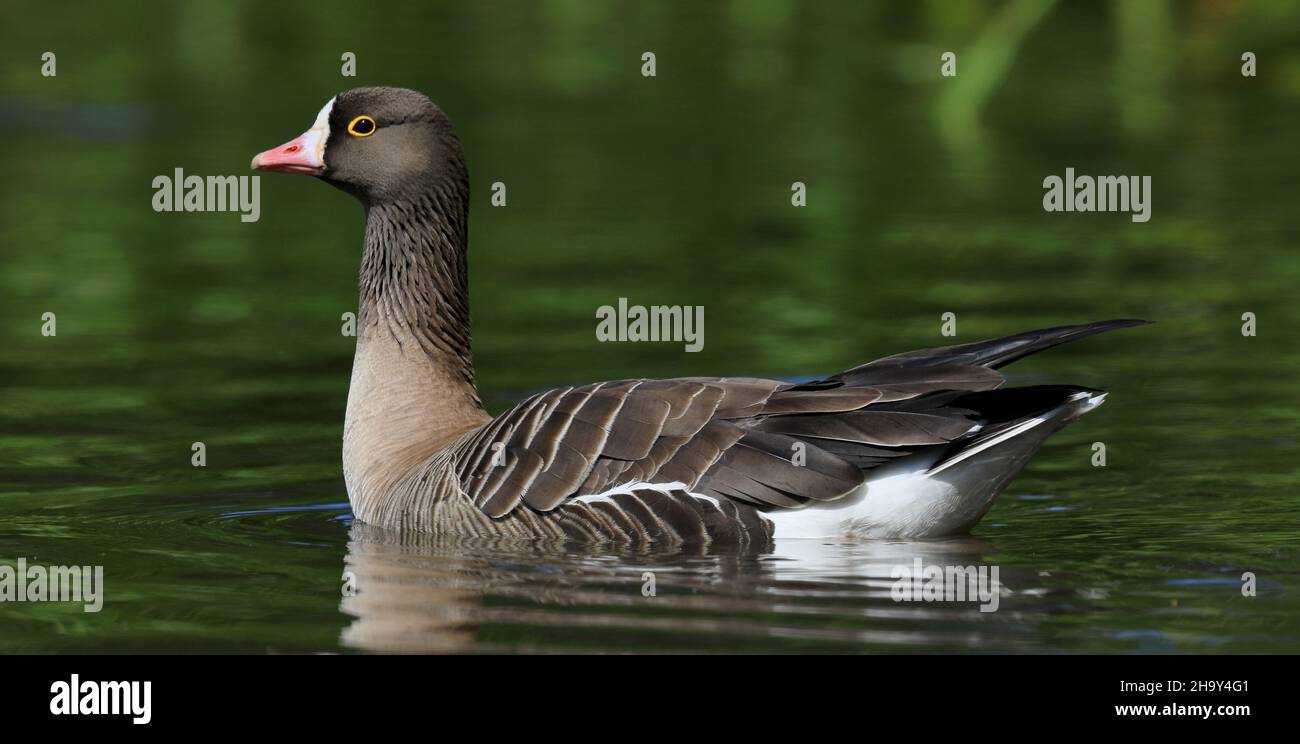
(924,197)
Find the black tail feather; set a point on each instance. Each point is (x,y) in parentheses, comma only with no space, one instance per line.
(1000,351)
(1013,404)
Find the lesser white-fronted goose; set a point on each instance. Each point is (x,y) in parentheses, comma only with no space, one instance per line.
(913,445)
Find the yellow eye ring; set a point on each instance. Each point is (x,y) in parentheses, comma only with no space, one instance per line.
(362,126)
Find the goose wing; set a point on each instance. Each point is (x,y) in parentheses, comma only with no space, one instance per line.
(755,443)
(705,455)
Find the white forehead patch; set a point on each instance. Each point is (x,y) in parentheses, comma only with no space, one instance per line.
(322,129)
(323,118)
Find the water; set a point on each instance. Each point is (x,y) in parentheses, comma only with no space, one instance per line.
(183,328)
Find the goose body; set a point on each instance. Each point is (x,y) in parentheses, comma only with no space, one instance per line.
(913,445)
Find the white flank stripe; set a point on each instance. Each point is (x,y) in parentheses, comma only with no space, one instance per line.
(626,489)
(992,441)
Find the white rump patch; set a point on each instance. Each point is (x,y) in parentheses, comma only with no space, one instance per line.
(906,499)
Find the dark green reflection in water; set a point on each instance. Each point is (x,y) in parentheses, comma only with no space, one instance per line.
(924,198)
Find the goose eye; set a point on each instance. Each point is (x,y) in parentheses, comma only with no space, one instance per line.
(362,126)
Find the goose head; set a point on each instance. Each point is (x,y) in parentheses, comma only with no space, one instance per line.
(378,144)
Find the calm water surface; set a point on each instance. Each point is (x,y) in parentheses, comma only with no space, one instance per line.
(183,328)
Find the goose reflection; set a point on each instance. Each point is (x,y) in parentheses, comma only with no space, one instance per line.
(419,593)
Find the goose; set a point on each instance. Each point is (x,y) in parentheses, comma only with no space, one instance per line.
(914,445)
